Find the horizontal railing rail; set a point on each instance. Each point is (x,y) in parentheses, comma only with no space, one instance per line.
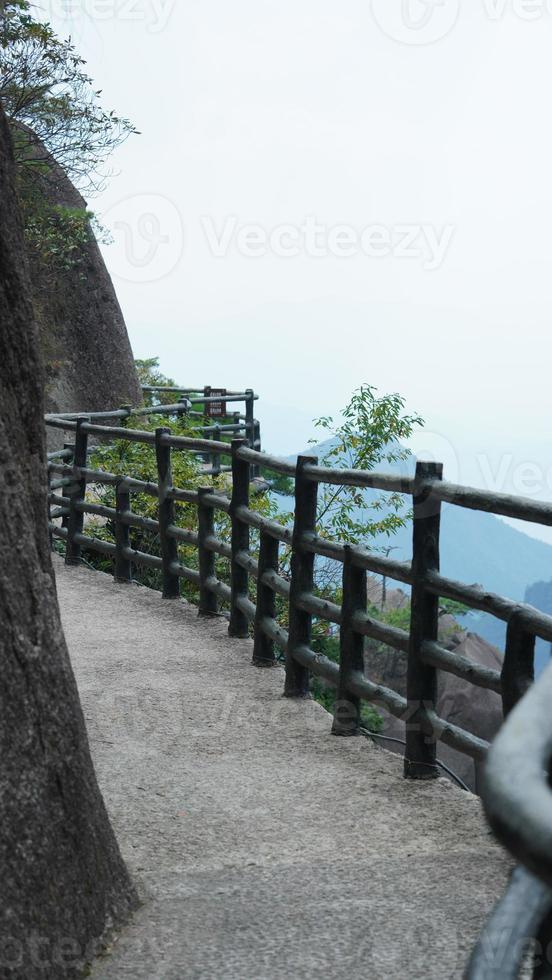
(307,542)
(240,425)
(518,797)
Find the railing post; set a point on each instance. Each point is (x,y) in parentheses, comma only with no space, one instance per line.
(208,604)
(263,646)
(215,458)
(302,579)
(68,445)
(351,648)
(239,624)
(250,417)
(421,684)
(77,493)
(169,547)
(123,567)
(518,669)
(183,409)
(256,470)
(207,458)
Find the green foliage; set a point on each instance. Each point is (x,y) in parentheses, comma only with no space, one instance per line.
(328,645)
(368,435)
(148,373)
(138,460)
(48,97)
(279,483)
(134,459)
(400,619)
(58,235)
(449,607)
(55,114)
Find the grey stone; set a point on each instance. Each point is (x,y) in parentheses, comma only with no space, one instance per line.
(83,336)
(63,884)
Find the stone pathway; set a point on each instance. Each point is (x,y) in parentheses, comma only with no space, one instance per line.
(263,847)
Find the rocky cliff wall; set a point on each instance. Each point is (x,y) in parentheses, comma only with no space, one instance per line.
(87,353)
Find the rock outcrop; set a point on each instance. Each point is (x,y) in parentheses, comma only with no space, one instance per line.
(64,884)
(85,345)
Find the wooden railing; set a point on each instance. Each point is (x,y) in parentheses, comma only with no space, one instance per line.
(68,473)
(241,423)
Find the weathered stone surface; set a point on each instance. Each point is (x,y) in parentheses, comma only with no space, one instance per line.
(84,341)
(63,884)
(265,848)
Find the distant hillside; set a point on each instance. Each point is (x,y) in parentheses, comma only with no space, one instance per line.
(476,548)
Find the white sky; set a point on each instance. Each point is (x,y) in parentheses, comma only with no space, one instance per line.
(273,111)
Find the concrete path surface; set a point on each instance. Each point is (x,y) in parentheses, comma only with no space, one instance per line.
(263,846)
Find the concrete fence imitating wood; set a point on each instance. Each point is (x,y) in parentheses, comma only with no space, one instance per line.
(242,424)
(527,711)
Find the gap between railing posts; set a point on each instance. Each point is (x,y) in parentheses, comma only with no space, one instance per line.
(302,579)
(76,492)
(250,427)
(123,567)
(169,547)
(263,645)
(208,604)
(215,458)
(351,647)
(71,461)
(421,683)
(239,624)
(207,458)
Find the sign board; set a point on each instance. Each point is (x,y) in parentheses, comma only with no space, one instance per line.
(216,410)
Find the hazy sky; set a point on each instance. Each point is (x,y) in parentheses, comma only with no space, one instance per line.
(324,195)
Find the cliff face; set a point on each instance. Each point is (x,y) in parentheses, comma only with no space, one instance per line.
(64,884)
(85,345)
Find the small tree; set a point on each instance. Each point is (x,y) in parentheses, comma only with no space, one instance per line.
(370,434)
(51,103)
(57,121)
(148,373)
